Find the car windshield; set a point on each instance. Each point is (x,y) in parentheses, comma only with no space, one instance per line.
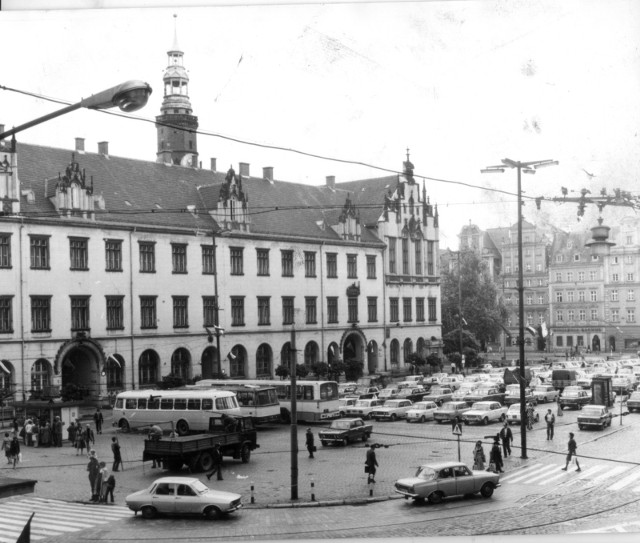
(200,487)
(426,473)
(422,406)
(635,396)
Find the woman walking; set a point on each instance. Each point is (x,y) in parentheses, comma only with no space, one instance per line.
(14,451)
(478,456)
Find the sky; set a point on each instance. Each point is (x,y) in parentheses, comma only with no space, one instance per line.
(462,85)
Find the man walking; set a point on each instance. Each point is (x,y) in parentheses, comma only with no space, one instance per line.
(98,419)
(506,437)
(309,442)
(217,463)
(117,458)
(550,419)
(371,463)
(572,453)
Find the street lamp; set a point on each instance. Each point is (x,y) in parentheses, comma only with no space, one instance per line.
(129,96)
(529,168)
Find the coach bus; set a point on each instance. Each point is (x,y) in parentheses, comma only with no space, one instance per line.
(180,410)
(259,402)
(315,400)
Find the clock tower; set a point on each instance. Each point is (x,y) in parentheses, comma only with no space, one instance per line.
(176,124)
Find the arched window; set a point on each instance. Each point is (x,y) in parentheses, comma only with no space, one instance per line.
(394,352)
(148,368)
(114,369)
(421,348)
(6,375)
(333,353)
(408,350)
(263,361)
(180,362)
(237,361)
(40,374)
(310,353)
(285,355)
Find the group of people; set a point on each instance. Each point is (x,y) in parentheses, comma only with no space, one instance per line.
(40,433)
(102,483)
(11,448)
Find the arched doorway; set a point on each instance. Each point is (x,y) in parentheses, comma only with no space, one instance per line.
(238,362)
(310,354)
(209,361)
(286,354)
(595,344)
(612,344)
(372,357)
(148,368)
(40,378)
(353,347)
(114,373)
(80,363)
(264,361)
(394,353)
(408,351)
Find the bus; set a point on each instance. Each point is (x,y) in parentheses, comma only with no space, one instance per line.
(180,410)
(259,402)
(315,400)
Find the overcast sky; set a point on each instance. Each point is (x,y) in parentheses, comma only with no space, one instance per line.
(461,84)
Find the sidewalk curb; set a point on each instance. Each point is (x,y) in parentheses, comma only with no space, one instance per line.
(327,503)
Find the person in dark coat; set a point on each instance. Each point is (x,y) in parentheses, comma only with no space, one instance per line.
(371,463)
(310,445)
(506,437)
(57,432)
(98,419)
(71,432)
(14,451)
(217,463)
(495,456)
(117,458)
(89,437)
(93,467)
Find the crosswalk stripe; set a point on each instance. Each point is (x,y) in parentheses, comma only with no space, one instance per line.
(543,475)
(539,468)
(81,507)
(625,481)
(56,517)
(517,474)
(20,523)
(611,473)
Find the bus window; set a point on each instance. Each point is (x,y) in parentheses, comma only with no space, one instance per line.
(180,403)
(142,403)
(308,393)
(328,391)
(119,403)
(284,392)
(207,404)
(131,403)
(166,403)
(228,402)
(193,404)
(153,403)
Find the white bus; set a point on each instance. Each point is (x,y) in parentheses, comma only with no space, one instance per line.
(315,400)
(260,402)
(179,410)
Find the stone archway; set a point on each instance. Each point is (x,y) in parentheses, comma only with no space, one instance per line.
(372,357)
(353,346)
(79,363)
(612,344)
(595,344)
(210,366)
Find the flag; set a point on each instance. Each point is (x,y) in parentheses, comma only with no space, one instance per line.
(114,359)
(532,330)
(25,536)
(231,356)
(4,368)
(505,329)
(545,331)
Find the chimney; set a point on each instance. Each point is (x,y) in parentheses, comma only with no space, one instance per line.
(331,181)
(103,148)
(267,173)
(244,169)
(213,165)
(80,145)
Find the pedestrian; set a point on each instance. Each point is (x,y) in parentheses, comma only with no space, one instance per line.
(572,446)
(93,467)
(371,463)
(71,433)
(310,445)
(103,478)
(560,413)
(478,456)
(117,458)
(45,435)
(80,443)
(111,484)
(14,451)
(495,458)
(15,426)
(550,419)
(530,412)
(57,432)
(217,463)
(89,437)
(155,433)
(506,437)
(98,419)
(28,433)
(6,446)
(453,367)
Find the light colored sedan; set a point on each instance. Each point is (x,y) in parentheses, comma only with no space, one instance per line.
(421,411)
(183,496)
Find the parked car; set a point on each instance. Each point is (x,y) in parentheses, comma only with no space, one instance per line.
(363,408)
(485,393)
(344,403)
(183,495)
(574,399)
(621,385)
(484,413)
(389,393)
(513,414)
(421,411)
(346,389)
(343,431)
(437,481)
(513,395)
(439,395)
(453,381)
(598,416)
(450,411)
(413,393)
(365,392)
(633,403)
(392,410)
(465,389)
(545,393)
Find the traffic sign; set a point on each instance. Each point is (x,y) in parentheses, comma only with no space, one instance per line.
(457,431)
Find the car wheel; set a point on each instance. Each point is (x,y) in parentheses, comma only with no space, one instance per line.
(485,421)
(182,427)
(324,443)
(124,426)
(435,497)
(487,490)
(365,436)
(393,417)
(212,513)
(422,419)
(148,512)
(580,426)
(245,453)
(206,461)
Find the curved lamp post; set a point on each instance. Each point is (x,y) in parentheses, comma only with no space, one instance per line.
(129,96)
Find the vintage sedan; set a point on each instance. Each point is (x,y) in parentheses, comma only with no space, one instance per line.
(392,410)
(183,496)
(513,415)
(421,411)
(574,398)
(440,480)
(450,411)
(485,393)
(633,403)
(363,408)
(484,413)
(594,416)
(345,403)
(545,393)
(513,395)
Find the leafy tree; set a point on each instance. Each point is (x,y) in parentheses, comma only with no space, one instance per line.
(434,362)
(470,296)
(353,369)
(417,361)
(336,369)
(170,381)
(283,372)
(451,342)
(320,369)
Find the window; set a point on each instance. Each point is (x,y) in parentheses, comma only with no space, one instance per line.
(528,267)
(179,257)
(558,258)
(615,260)
(576,258)
(287,263)
(5,250)
(430,253)
(263,261)
(113,254)
(310,355)
(529,319)
(569,276)
(405,256)
(615,315)
(352,307)
(594,314)
(6,314)
(614,295)
(309,264)
(263,362)
(580,277)
(540,282)
(148,369)
(629,240)
(40,374)
(115,312)
(630,295)
(79,312)
(287,309)
(310,309)
(147,257)
(593,295)
(593,275)
(208,261)
(630,277)
(529,299)
(332,265)
(581,295)
(406,309)
(538,267)
(352,266)
(559,316)
(371,266)
(332,309)
(236,261)
(392,255)
(40,313)
(628,259)
(615,277)
(264,310)
(39,249)
(507,269)
(180,311)
(559,277)
(540,299)
(631,315)
(148,312)
(570,315)
(558,296)
(180,362)
(209,310)
(582,315)
(420,309)
(570,296)
(432,308)
(237,310)
(394,311)
(418,256)
(372,309)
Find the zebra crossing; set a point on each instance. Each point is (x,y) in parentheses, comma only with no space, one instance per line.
(606,475)
(53,517)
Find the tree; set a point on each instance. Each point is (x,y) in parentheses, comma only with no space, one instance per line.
(470,300)
(320,369)
(283,372)
(417,362)
(353,369)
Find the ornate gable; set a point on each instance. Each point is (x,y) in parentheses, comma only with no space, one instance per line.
(233,204)
(349,226)
(71,195)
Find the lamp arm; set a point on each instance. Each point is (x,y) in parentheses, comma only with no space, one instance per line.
(40,120)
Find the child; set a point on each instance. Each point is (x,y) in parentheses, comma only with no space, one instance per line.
(111,484)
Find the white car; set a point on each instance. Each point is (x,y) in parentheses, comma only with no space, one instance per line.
(545,393)
(484,413)
(392,410)
(344,403)
(421,411)
(363,408)
(452,381)
(183,495)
